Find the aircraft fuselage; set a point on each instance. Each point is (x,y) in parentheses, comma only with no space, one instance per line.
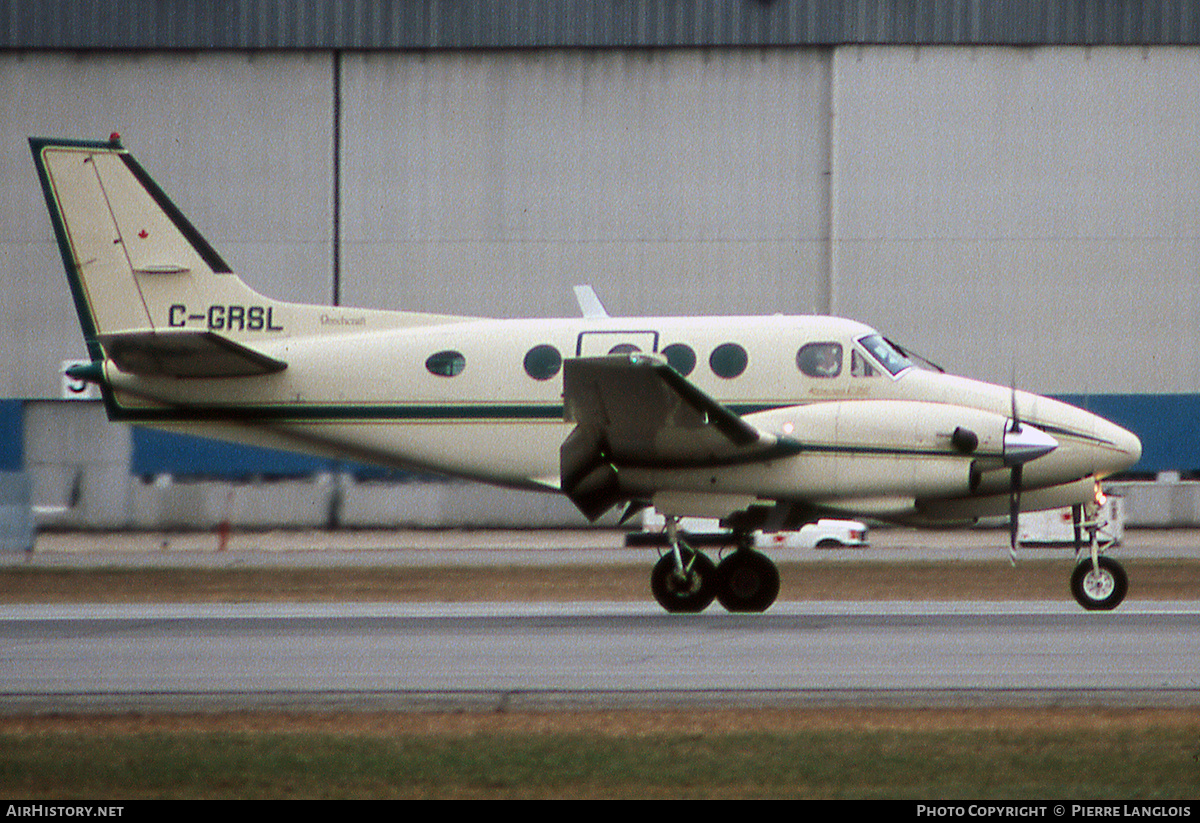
(471,398)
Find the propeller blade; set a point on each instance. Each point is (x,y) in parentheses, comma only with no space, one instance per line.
(1014,513)
(634,507)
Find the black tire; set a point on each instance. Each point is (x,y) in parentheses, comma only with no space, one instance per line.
(688,593)
(1099,591)
(747,581)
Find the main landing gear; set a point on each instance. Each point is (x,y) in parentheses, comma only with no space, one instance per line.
(686,580)
(1098,583)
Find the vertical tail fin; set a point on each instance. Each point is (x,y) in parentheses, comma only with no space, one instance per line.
(151,293)
(133,260)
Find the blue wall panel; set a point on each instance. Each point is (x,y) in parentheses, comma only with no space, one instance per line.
(1168,424)
(12,435)
(156,452)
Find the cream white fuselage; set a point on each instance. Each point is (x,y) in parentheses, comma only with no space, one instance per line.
(868,442)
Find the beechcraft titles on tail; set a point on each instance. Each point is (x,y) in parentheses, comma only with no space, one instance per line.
(764,422)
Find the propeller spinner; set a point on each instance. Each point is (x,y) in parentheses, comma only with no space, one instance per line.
(1022,443)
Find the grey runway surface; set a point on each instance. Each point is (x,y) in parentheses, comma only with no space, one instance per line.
(490,656)
(592,655)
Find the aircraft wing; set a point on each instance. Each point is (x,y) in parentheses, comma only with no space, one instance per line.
(634,410)
(185,354)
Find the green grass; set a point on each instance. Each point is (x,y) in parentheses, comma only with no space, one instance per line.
(1152,763)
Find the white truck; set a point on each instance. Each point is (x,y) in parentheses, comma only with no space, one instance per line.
(824,534)
(1055,527)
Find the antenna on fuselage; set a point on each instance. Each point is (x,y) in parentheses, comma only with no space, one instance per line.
(589,303)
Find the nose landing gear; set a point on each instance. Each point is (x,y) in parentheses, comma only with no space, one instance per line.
(1098,583)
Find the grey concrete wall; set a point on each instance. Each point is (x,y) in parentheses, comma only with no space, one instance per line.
(339,501)
(241,142)
(78,464)
(1027,211)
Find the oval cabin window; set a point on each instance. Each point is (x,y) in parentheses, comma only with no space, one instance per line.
(680,357)
(543,362)
(820,359)
(728,360)
(446,363)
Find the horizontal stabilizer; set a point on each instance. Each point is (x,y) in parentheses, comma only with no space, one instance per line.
(185,354)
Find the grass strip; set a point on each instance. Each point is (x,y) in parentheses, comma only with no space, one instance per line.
(1122,762)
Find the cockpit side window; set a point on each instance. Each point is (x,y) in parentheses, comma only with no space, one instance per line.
(820,359)
(860,365)
(885,353)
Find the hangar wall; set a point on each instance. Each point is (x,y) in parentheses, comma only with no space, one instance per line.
(1027,212)
(241,141)
(1034,200)
(1042,204)
(675,182)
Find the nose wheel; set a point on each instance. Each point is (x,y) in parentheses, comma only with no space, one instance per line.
(1099,586)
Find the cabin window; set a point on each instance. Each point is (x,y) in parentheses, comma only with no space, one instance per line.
(542,362)
(728,360)
(680,357)
(446,363)
(885,353)
(820,359)
(624,348)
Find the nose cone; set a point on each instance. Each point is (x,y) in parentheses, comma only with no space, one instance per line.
(1125,449)
(1113,449)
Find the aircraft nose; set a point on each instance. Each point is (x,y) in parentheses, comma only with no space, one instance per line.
(1122,448)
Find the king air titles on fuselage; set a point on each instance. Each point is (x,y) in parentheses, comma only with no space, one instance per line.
(762,421)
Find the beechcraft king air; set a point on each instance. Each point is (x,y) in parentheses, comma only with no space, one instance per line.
(763,422)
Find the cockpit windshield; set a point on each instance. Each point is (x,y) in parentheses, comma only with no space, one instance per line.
(885,353)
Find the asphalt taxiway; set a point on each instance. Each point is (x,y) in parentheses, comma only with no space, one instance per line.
(490,656)
(306,656)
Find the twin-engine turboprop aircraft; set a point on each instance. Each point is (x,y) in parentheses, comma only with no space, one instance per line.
(765,422)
